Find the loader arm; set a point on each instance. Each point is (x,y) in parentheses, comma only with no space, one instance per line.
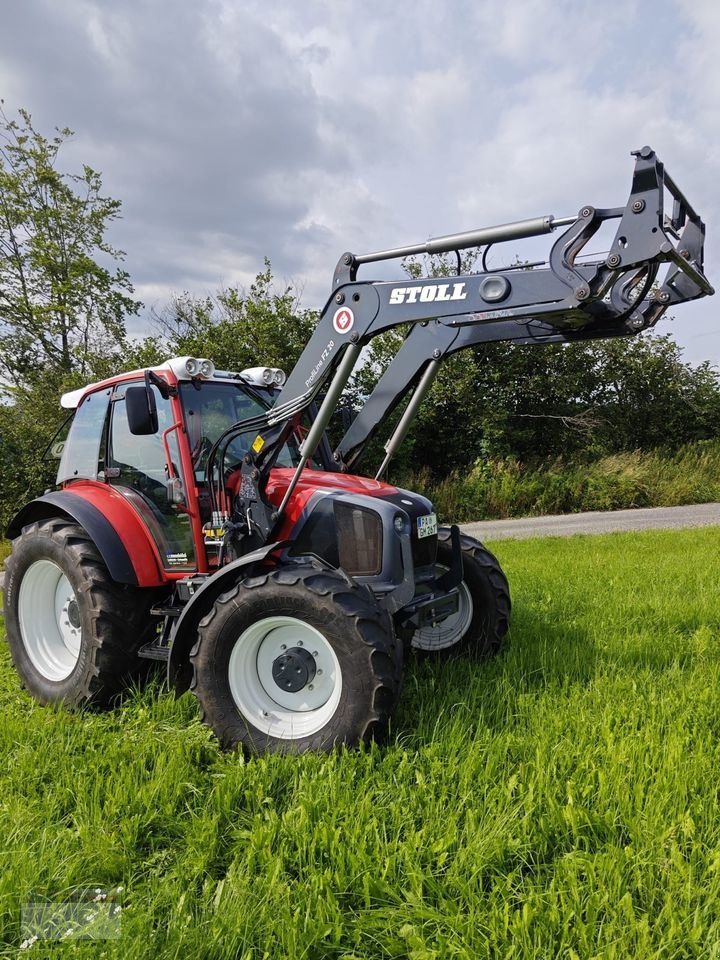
(618,294)
(417,363)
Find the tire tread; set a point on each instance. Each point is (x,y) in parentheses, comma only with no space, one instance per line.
(383,653)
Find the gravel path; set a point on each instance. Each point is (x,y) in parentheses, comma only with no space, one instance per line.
(655,518)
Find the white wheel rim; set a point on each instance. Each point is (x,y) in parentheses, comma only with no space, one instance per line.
(451,630)
(284,714)
(49,620)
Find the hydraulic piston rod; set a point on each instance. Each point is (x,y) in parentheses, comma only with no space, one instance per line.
(421,391)
(316,431)
(517,230)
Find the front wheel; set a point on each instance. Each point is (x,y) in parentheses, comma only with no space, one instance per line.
(482,620)
(296,659)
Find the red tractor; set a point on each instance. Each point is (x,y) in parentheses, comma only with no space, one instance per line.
(202,519)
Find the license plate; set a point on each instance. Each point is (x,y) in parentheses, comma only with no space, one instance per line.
(427,526)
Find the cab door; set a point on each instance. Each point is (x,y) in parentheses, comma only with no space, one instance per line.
(137,467)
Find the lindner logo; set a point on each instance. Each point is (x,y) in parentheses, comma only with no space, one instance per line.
(343,320)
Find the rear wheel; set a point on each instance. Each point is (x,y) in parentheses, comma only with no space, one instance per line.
(296,659)
(482,620)
(73,632)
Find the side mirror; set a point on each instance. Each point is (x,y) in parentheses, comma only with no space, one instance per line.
(141,411)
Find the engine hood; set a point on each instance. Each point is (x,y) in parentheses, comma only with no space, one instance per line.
(312,481)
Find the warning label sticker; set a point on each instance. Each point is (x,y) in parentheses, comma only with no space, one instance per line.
(343,320)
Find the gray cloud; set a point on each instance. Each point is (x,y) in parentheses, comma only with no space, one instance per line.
(297,131)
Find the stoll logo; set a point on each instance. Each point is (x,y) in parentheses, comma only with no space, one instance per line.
(429,293)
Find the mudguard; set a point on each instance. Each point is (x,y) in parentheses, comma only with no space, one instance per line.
(98,527)
(179,673)
(120,535)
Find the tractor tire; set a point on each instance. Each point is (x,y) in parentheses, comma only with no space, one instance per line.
(296,659)
(73,632)
(480,625)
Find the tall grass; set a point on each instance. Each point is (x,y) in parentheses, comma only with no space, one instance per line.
(505,488)
(560,801)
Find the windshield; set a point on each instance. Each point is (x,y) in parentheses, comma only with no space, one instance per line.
(212,408)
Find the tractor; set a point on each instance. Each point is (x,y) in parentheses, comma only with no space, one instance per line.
(202,518)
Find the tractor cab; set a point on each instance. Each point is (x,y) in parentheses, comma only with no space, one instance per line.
(147,438)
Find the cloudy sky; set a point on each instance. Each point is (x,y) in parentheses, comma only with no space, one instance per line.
(295,130)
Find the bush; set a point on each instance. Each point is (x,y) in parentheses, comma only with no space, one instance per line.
(505,488)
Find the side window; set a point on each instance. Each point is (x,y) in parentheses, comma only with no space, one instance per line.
(140,460)
(82,453)
(137,468)
(54,449)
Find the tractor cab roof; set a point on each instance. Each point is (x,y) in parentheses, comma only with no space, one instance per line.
(183,368)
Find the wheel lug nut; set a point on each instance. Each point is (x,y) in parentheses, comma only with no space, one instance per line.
(310,686)
(314,653)
(283,646)
(319,672)
(299,643)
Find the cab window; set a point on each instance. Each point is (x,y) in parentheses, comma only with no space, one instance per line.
(212,408)
(82,453)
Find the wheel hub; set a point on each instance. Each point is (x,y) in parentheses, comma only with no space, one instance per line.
(256,662)
(294,669)
(73,612)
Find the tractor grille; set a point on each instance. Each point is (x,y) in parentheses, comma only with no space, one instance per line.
(344,534)
(359,539)
(351,536)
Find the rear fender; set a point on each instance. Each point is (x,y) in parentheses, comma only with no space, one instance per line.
(179,672)
(112,525)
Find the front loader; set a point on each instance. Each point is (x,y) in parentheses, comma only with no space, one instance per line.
(202,520)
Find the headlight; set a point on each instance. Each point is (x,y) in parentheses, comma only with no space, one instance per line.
(267,375)
(192,367)
(207,368)
(359,540)
(279,377)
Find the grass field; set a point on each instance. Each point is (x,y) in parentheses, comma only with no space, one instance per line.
(559,802)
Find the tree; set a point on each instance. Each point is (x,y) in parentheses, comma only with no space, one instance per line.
(647,396)
(238,328)
(63,298)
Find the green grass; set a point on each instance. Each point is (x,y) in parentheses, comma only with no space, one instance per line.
(561,801)
(507,488)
